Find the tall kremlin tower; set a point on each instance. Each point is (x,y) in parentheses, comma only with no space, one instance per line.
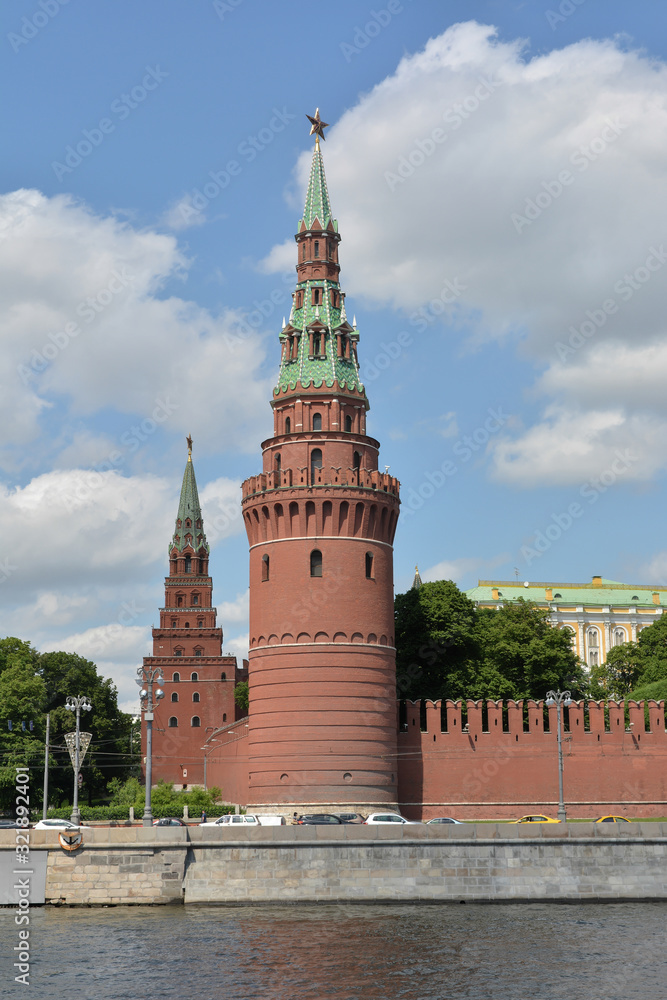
(321,520)
(187,647)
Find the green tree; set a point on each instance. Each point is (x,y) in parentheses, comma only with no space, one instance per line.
(241,697)
(22,700)
(523,655)
(619,674)
(652,652)
(436,642)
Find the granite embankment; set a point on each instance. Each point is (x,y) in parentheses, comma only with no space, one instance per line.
(579,861)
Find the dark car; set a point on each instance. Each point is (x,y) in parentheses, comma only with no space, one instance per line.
(168,821)
(351,817)
(317,819)
(10,824)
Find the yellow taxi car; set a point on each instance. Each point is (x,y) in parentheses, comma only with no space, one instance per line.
(536,819)
(612,819)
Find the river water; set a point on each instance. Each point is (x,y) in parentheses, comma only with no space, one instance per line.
(350,952)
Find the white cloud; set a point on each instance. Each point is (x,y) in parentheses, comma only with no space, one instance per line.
(456,569)
(182,214)
(235,611)
(541,198)
(82,319)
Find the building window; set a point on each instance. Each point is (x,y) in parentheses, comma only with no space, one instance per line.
(173,623)
(197,652)
(174,696)
(593,637)
(315,462)
(369,565)
(179,602)
(187,625)
(288,425)
(200,623)
(176,678)
(178,652)
(224,716)
(194,677)
(196,722)
(317,421)
(278,461)
(188,564)
(195,695)
(619,636)
(223,676)
(356,461)
(195,600)
(265,568)
(348,422)
(316,563)
(173,722)
(317,248)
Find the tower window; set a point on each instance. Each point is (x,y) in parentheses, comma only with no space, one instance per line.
(369,565)
(303,252)
(317,421)
(178,652)
(265,568)
(194,677)
(173,623)
(196,722)
(188,564)
(356,461)
(288,425)
(316,563)
(179,602)
(317,248)
(316,344)
(174,696)
(348,422)
(316,296)
(173,722)
(195,695)
(195,599)
(315,462)
(197,652)
(278,462)
(176,678)
(223,676)
(187,625)
(200,623)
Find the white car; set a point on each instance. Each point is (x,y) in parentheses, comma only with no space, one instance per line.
(59,824)
(377,819)
(233,819)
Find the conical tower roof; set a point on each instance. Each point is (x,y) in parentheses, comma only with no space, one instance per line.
(417,581)
(318,206)
(189,530)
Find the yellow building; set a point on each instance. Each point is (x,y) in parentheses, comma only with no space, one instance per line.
(600,614)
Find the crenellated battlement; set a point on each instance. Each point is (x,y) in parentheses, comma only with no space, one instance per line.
(366,479)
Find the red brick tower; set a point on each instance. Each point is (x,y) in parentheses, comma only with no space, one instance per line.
(199,680)
(320,521)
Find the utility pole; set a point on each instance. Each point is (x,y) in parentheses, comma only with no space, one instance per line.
(46,766)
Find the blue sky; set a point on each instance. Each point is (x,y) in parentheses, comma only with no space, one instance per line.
(498,173)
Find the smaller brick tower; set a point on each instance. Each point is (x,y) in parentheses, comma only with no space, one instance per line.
(199,680)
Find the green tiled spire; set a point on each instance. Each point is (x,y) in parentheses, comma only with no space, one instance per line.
(317,198)
(189,522)
(325,318)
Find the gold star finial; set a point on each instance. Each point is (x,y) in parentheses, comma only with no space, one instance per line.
(189,440)
(317,127)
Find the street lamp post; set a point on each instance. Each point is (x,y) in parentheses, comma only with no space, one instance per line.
(78,705)
(559,698)
(146,678)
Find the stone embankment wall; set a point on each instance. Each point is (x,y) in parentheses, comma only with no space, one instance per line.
(473,862)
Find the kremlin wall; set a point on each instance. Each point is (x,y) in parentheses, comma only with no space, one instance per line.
(324,730)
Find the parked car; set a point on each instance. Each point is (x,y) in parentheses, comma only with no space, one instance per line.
(379,818)
(536,819)
(443,819)
(318,819)
(10,824)
(612,819)
(350,817)
(169,821)
(59,824)
(271,819)
(234,819)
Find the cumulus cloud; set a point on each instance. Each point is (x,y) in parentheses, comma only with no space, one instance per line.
(84,318)
(536,188)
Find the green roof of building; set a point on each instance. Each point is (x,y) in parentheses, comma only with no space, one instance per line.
(327,368)
(189,510)
(604,592)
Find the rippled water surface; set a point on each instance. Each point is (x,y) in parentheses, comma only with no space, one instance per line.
(500,952)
